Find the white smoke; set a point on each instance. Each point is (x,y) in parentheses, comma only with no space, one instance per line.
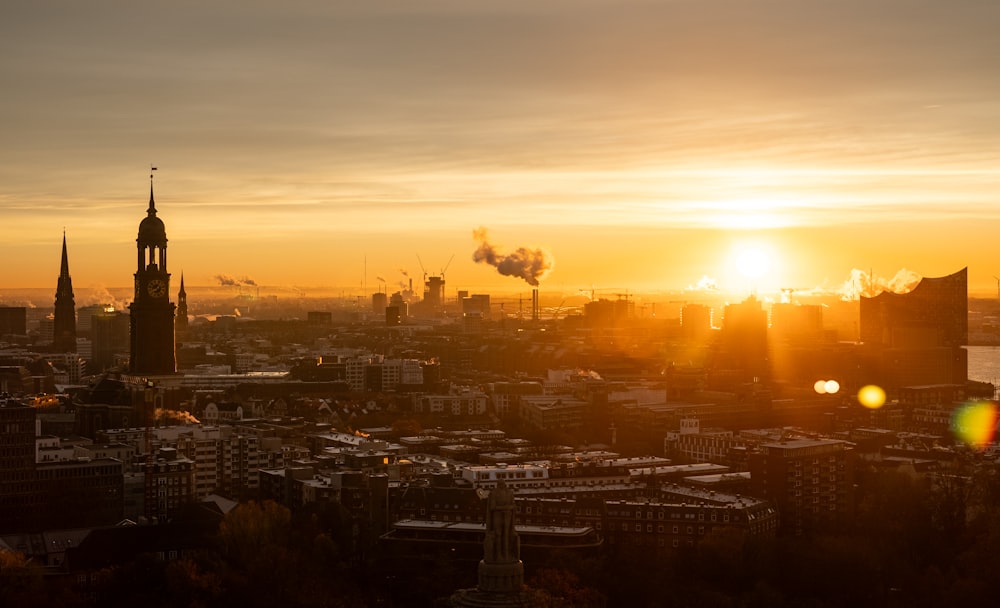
(529,264)
(870,285)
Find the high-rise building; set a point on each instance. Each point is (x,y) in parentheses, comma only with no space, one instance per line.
(696,321)
(741,356)
(379,301)
(64,319)
(39,496)
(433,293)
(17,463)
(109,339)
(151,326)
(811,481)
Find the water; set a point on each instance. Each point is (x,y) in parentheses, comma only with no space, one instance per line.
(984,363)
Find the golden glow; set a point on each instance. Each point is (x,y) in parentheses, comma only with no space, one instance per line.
(871,396)
(280,162)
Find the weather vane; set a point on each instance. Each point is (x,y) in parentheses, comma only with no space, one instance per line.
(151,169)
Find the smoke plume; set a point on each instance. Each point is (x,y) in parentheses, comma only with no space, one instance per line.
(226,280)
(163,414)
(100,295)
(863,284)
(529,264)
(705,283)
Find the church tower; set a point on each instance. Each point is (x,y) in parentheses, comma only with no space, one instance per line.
(64,322)
(151,312)
(181,323)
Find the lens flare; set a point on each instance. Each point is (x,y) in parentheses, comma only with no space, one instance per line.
(826,387)
(871,396)
(975,423)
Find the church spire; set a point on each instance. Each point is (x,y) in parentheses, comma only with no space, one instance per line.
(64,267)
(181,321)
(64,316)
(152,204)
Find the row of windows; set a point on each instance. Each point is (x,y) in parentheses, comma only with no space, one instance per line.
(660,529)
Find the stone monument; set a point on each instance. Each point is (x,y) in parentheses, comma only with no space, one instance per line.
(501,573)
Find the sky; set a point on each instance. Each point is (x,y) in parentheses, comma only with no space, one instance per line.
(633,144)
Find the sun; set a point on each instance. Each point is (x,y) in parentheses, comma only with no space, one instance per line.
(753,262)
(753,266)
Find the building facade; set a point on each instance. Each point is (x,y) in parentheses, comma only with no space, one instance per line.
(810,481)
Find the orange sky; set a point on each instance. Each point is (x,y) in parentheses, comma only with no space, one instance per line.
(636,142)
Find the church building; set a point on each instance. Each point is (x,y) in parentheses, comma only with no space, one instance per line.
(152,313)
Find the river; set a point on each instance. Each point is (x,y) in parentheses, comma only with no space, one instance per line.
(984,363)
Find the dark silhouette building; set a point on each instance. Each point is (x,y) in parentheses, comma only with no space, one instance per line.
(433,294)
(109,338)
(916,338)
(741,357)
(17,462)
(151,325)
(13,320)
(64,319)
(66,494)
(811,481)
(696,321)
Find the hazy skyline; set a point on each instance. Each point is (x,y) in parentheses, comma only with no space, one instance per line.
(638,143)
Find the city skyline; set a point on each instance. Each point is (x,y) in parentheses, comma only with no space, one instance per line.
(639,145)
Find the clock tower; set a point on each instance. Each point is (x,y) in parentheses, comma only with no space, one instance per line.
(151,312)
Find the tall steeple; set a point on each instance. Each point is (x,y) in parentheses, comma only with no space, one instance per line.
(181,322)
(64,317)
(151,312)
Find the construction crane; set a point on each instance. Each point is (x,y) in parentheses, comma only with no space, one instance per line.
(593,292)
(445,267)
(424,270)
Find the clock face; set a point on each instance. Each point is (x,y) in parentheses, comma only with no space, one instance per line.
(157,288)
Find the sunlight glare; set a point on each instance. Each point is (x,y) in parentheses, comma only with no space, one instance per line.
(753,261)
